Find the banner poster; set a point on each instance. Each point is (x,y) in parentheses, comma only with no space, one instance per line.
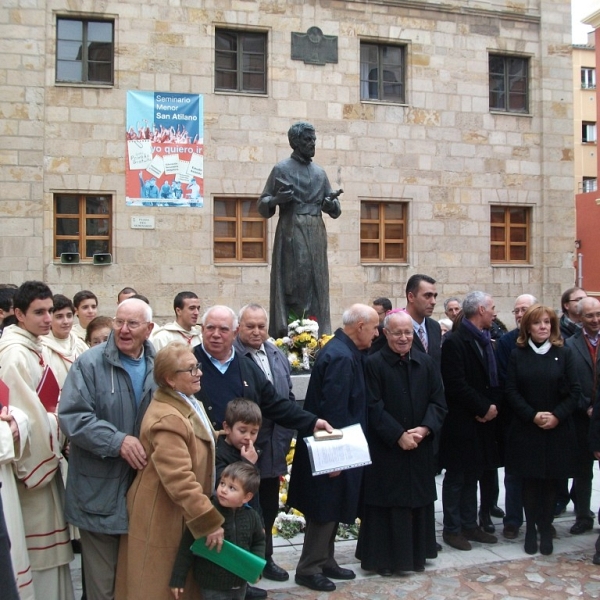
(165,149)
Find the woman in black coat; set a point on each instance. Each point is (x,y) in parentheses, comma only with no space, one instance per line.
(542,391)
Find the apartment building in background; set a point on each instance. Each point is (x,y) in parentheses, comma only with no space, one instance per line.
(587,161)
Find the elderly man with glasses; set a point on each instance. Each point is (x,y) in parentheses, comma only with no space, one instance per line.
(103,401)
(513,519)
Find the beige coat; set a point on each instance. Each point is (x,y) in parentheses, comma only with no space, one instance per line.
(171,491)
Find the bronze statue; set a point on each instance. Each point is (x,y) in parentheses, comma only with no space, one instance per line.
(299,270)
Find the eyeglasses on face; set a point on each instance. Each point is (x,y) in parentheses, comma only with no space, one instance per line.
(193,371)
(131,325)
(399,334)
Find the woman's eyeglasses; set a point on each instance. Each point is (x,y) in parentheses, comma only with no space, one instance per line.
(193,371)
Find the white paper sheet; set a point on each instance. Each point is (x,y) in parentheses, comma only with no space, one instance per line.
(351,451)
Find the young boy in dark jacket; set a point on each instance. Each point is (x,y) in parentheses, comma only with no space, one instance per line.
(243,527)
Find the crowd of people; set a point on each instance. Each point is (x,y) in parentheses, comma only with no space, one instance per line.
(128,441)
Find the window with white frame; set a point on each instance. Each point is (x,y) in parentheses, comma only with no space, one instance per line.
(589,184)
(588,78)
(588,132)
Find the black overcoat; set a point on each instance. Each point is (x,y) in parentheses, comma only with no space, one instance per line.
(467,444)
(402,395)
(534,383)
(336,392)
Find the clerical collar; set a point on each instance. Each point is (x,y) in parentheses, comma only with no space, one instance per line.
(305,160)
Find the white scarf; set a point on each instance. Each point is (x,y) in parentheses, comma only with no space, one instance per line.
(543,349)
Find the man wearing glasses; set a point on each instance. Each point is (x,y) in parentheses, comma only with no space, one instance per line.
(570,321)
(513,519)
(103,401)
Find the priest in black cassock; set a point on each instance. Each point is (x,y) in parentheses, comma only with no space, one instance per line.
(405,413)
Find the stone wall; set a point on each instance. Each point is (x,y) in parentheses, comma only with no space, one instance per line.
(443,152)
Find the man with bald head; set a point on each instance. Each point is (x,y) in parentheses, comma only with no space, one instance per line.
(103,401)
(336,392)
(586,361)
(513,503)
(406,411)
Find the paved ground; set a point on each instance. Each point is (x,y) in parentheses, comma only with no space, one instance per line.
(488,572)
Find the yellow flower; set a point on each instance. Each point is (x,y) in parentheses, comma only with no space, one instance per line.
(283,498)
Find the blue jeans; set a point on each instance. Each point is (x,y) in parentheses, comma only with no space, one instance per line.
(459,499)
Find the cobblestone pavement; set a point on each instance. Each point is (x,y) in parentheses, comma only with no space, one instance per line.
(499,571)
(560,577)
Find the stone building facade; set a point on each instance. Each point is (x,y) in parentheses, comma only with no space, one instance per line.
(473,128)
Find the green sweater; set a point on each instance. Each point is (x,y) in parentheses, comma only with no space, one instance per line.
(243,527)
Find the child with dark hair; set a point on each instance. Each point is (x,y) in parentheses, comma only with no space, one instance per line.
(242,424)
(243,527)
(86,308)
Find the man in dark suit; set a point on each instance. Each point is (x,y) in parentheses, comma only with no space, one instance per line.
(421,298)
(273,440)
(586,359)
(336,392)
(468,444)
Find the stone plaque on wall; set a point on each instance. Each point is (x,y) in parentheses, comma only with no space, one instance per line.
(313,47)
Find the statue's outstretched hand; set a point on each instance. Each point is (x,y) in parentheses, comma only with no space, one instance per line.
(283,196)
(329,201)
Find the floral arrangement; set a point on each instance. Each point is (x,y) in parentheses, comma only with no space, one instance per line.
(302,343)
(290,522)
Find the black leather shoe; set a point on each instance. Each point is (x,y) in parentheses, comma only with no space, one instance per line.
(497,512)
(316,582)
(275,572)
(253,593)
(385,572)
(531,543)
(339,573)
(596,558)
(546,545)
(485,522)
(510,532)
(438,547)
(581,526)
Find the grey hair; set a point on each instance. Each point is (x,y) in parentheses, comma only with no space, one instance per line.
(357,313)
(472,302)
(529,297)
(579,305)
(141,304)
(452,299)
(223,307)
(252,306)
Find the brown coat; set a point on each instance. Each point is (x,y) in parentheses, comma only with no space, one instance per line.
(168,494)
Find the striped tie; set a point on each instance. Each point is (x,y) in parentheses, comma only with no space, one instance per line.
(422,337)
